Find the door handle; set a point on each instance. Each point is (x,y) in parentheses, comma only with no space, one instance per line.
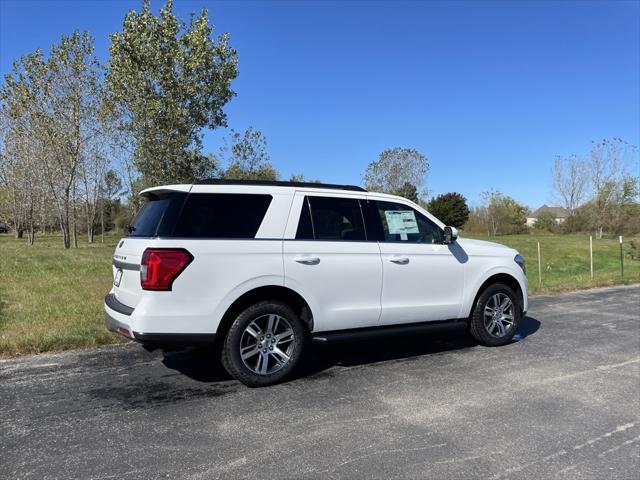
(307,260)
(400,260)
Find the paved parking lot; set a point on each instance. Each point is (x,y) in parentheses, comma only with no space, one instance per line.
(562,402)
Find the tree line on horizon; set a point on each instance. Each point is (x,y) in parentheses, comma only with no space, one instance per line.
(78,139)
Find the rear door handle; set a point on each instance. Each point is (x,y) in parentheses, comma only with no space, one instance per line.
(400,260)
(307,260)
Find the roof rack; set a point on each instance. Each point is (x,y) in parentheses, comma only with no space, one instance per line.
(273,183)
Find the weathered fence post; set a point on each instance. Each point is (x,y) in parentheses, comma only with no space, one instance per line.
(621,259)
(539,267)
(591,254)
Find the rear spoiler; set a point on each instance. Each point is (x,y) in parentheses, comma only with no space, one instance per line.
(166,189)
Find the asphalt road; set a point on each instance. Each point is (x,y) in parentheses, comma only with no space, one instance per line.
(561,402)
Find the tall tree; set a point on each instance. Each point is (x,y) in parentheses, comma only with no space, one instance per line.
(570,181)
(247,157)
(168,81)
(59,99)
(74,100)
(451,208)
(607,166)
(19,173)
(396,167)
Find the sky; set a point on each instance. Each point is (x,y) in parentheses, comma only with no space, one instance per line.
(490,92)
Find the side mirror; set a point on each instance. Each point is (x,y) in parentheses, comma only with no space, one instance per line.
(450,234)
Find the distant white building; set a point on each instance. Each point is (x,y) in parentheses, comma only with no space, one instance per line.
(560,214)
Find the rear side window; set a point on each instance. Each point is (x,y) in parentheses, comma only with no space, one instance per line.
(222,215)
(157,215)
(330,218)
(305,229)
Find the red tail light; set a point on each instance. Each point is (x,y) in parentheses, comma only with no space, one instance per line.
(161,266)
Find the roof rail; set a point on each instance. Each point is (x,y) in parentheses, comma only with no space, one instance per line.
(273,183)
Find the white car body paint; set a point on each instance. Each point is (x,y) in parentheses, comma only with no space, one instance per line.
(347,284)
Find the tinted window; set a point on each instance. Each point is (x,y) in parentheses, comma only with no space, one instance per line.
(222,215)
(148,219)
(372,222)
(401,223)
(305,229)
(336,219)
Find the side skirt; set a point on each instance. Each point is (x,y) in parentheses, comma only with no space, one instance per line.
(338,336)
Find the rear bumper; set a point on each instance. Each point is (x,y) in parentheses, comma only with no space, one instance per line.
(117,319)
(116,326)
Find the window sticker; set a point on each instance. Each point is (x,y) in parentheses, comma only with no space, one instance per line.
(401,222)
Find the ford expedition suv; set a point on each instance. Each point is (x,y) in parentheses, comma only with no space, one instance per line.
(262,268)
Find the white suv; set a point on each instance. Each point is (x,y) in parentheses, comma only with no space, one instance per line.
(261,268)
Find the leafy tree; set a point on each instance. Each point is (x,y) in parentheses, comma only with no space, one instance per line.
(168,81)
(451,208)
(299,177)
(546,221)
(54,106)
(611,186)
(408,191)
(501,214)
(396,167)
(247,157)
(603,179)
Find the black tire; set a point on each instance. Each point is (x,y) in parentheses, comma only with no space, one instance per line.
(257,314)
(491,335)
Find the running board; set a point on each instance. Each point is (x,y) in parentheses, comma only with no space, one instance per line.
(339,336)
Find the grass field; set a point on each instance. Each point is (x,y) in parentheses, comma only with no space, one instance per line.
(51,299)
(565,261)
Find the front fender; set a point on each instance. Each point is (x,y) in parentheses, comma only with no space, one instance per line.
(471,292)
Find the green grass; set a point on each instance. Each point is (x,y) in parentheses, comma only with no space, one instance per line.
(565,261)
(51,298)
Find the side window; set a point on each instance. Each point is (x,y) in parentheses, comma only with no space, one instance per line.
(158,215)
(222,215)
(401,223)
(331,219)
(305,229)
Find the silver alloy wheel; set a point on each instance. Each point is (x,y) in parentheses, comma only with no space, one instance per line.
(499,315)
(266,344)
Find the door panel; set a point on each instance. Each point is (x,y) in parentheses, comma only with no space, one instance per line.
(421,283)
(343,281)
(332,264)
(422,278)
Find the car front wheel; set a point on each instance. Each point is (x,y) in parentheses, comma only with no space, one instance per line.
(496,316)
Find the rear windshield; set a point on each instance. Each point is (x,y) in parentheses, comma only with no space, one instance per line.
(222,215)
(201,215)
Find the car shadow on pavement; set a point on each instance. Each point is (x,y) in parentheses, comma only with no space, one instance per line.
(201,364)
(204,365)
(398,348)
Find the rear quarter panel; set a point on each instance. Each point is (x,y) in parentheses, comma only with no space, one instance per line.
(221,271)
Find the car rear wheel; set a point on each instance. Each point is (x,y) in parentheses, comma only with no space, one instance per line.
(496,316)
(264,344)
